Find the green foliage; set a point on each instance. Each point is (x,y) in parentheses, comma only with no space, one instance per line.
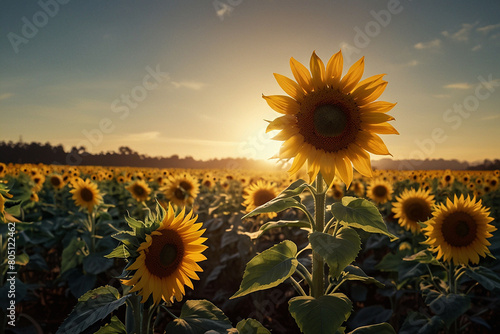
(269,268)
(73,254)
(338,251)
(198,317)
(320,316)
(383,328)
(360,213)
(251,326)
(486,277)
(114,327)
(92,307)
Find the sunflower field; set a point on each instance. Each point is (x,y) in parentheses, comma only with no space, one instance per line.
(329,246)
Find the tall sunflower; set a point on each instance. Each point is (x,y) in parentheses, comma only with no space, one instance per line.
(458,230)
(56,181)
(181,190)
(330,121)
(168,258)
(139,190)
(380,191)
(86,194)
(413,206)
(259,193)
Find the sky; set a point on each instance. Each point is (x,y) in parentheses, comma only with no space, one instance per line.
(187,77)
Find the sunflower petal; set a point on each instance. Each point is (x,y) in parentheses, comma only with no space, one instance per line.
(351,79)
(376,118)
(282,104)
(377,106)
(301,75)
(334,69)
(317,71)
(382,128)
(289,86)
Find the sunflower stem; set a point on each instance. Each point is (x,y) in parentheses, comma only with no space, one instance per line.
(318,265)
(305,274)
(145,320)
(297,286)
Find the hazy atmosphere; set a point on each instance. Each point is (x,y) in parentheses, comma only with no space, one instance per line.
(186,77)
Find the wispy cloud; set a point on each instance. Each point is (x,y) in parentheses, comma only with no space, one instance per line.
(143,136)
(5,96)
(461,35)
(412,63)
(441,96)
(490,117)
(477,47)
(194,85)
(434,44)
(487,29)
(459,85)
(223,10)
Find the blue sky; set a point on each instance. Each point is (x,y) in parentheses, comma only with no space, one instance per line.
(186,77)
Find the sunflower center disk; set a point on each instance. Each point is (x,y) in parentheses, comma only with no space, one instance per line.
(417,210)
(86,194)
(329,120)
(139,191)
(262,196)
(459,229)
(380,191)
(165,253)
(168,255)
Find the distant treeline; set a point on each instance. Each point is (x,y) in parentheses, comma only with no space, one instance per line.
(48,154)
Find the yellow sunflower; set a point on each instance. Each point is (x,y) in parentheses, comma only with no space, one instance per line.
(139,190)
(259,193)
(3,169)
(86,194)
(181,190)
(458,230)
(413,206)
(56,181)
(168,258)
(380,191)
(330,122)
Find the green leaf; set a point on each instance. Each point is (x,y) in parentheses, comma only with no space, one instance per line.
(383,328)
(73,254)
(338,251)
(360,213)
(417,323)
(295,189)
(198,317)
(276,205)
(285,223)
(269,268)
(323,315)
(251,326)
(120,252)
(114,327)
(424,256)
(390,262)
(96,263)
(92,307)
(448,307)
(486,277)
(22,259)
(357,274)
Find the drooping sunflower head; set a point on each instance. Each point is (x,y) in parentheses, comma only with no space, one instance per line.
(458,230)
(379,190)
(330,121)
(413,206)
(167,257)
(139,190)
(258,194)
(181,190)
(86,194)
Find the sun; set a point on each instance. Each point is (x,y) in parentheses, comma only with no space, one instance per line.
(329,121)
